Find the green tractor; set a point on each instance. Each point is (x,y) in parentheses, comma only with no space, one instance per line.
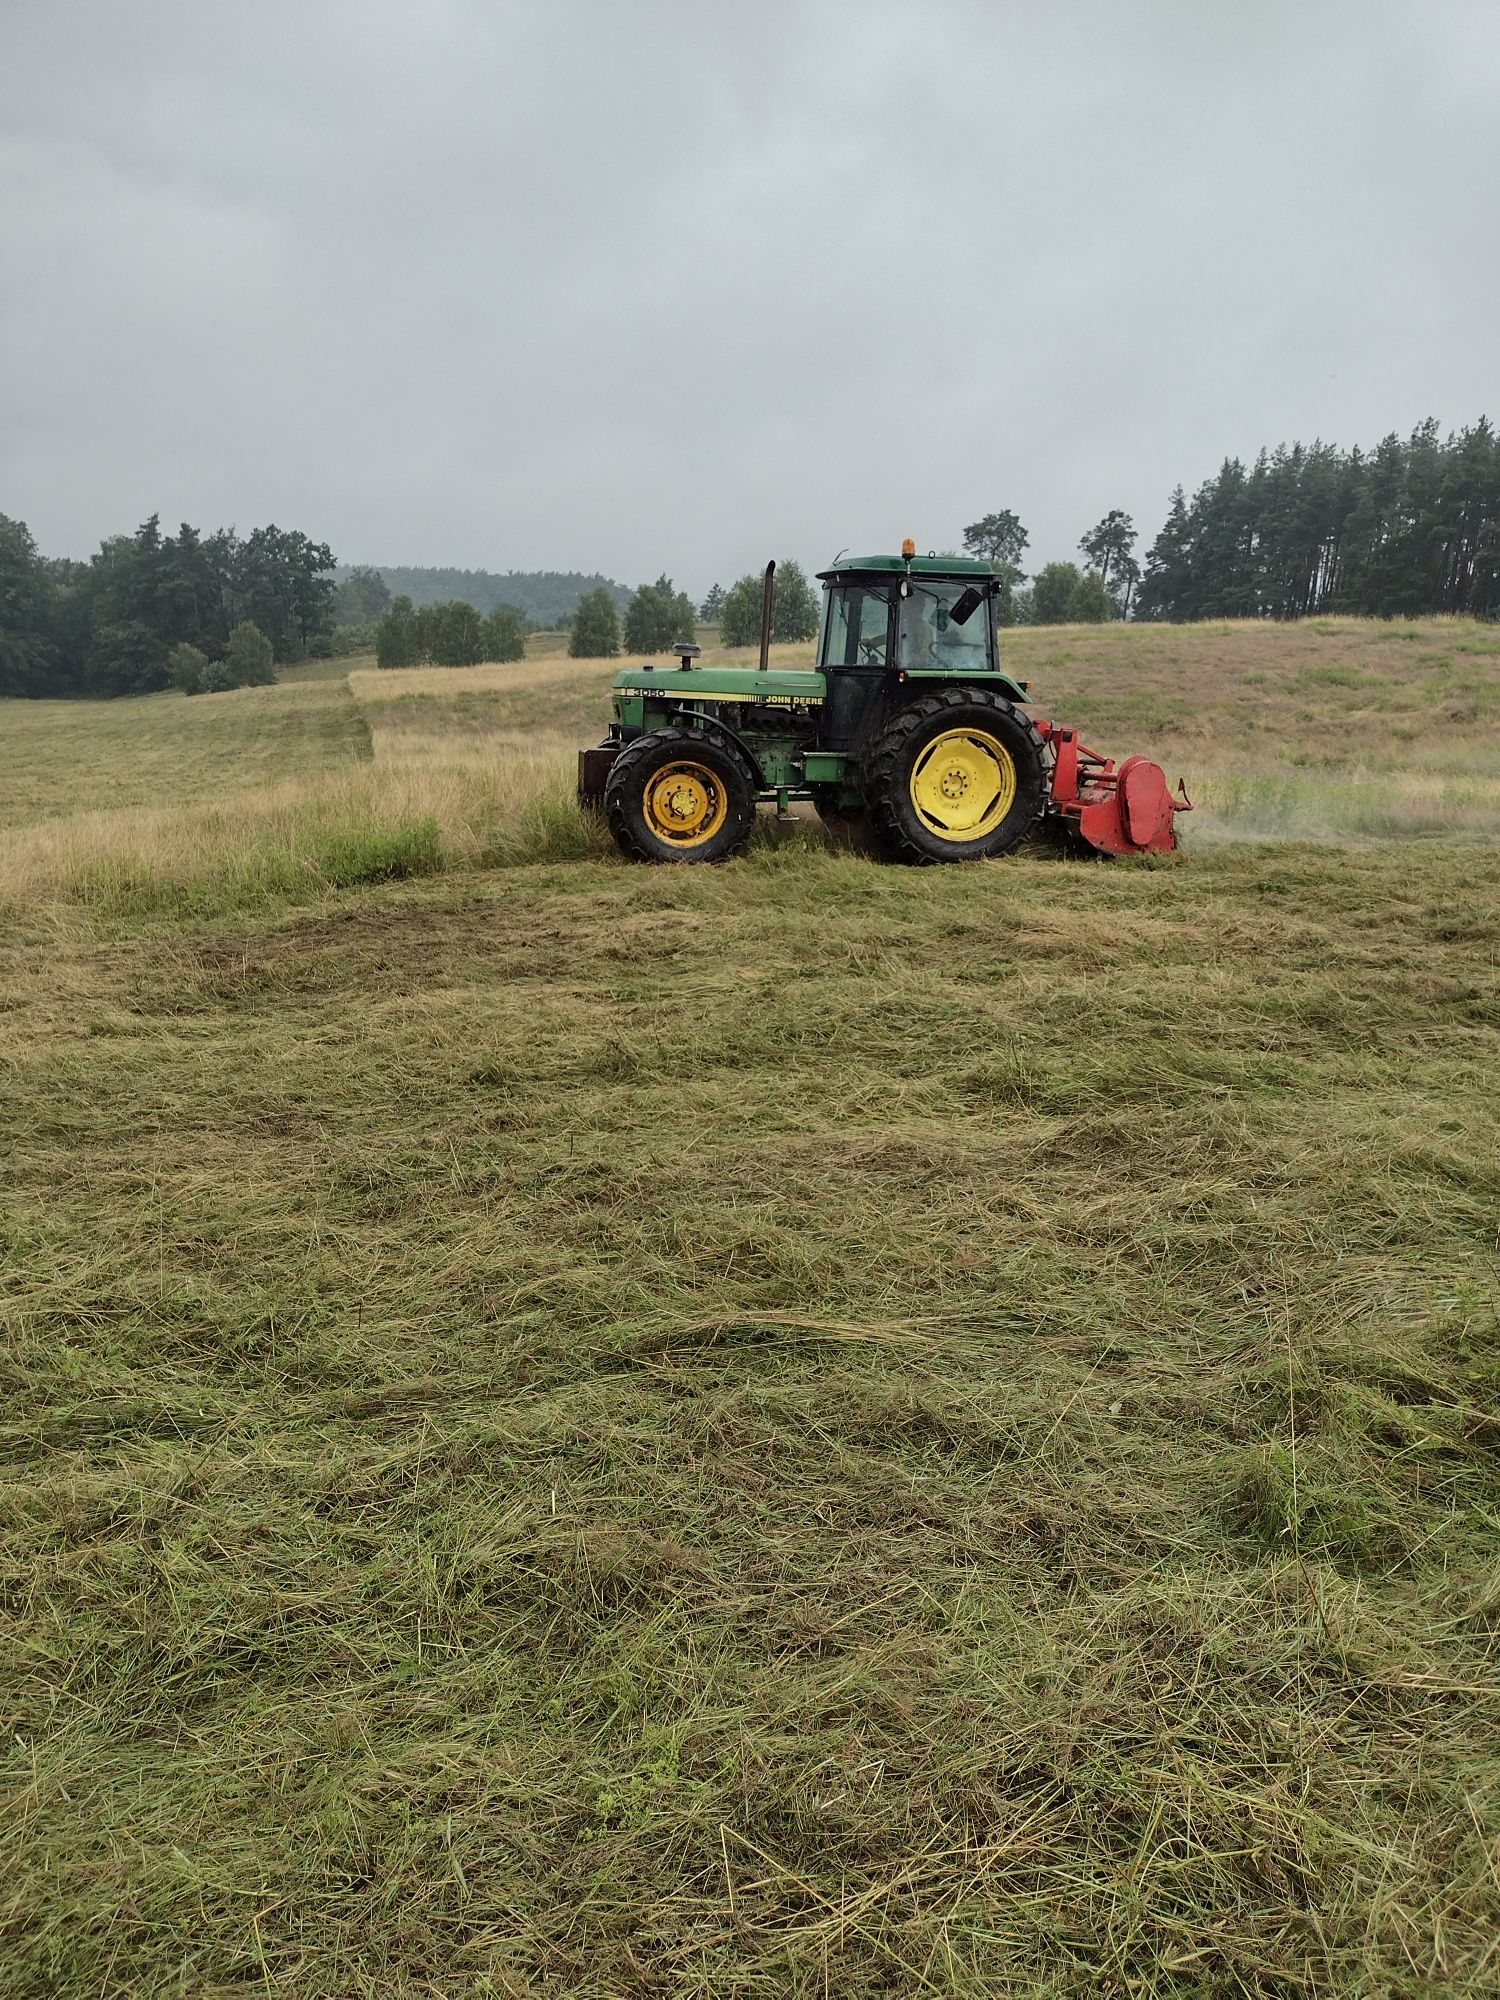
(907,736)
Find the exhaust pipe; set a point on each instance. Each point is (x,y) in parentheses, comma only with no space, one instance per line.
(767,599)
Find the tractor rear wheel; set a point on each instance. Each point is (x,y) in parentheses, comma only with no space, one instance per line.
(680,795)
(956,776)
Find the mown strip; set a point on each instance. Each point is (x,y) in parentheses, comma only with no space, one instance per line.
(789,1429)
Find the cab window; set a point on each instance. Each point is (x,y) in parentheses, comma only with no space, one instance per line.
(856,627)
(944,628)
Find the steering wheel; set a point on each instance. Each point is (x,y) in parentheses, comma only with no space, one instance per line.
(872,651)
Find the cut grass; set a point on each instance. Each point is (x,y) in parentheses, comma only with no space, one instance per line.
(793,1429)
(760,1431)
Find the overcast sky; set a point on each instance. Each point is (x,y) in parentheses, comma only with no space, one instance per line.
(637,285)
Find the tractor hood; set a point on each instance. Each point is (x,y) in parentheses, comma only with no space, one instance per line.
(779,684)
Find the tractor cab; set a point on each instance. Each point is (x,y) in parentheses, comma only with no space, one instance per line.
(890,620)
(914,615)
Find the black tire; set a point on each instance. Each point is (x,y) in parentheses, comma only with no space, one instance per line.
(638,797)
(897,754)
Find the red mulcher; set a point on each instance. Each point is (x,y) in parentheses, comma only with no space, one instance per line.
(1124,809)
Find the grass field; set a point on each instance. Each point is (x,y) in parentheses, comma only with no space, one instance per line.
(803,1429)
(1338,730)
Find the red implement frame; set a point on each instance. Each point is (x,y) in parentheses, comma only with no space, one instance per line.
(1125,809)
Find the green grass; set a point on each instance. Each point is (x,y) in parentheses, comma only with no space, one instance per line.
(59,758)
(789,1430)
(380,854)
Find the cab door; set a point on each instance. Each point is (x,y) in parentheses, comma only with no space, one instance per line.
(858,646)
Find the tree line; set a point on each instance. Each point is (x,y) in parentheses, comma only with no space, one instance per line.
(545,598)
(659,616)
(110,626)
(1060,593)
(448,635)
(1410,529)
(1406,530)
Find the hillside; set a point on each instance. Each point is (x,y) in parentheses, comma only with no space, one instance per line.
(785,1430)
(544,597)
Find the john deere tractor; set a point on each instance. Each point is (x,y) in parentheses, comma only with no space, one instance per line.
(907,736)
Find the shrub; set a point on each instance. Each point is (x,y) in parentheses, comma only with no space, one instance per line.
(216,678)
(1053,591)
(187,665)
(348,639)
(794,615)
(1063,594)
(596,627)
(1092,603)
(249,658)
(503,634)
(794,612)
(740,623)
(396,637)
(658,616)
(457,636)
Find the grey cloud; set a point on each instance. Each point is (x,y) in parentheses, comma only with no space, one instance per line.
(634,286)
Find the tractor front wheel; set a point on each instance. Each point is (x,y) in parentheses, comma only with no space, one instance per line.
(680,795)
(956,776)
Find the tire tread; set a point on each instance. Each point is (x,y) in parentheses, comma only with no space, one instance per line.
(887,761)
(640,753)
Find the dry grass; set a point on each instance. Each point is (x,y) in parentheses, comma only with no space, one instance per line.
(466,768)
(358,784)
(67,759)
(1337,731)
(791,1430)
(426,712)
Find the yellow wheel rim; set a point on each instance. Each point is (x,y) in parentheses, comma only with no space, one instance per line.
(685,803)
(963,784)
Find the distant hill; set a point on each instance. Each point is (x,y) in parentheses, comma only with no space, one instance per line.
(543,596)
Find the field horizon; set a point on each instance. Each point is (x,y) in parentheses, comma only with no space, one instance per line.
(1338,730)
(794,1429)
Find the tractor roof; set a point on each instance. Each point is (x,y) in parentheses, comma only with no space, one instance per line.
(916,565)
